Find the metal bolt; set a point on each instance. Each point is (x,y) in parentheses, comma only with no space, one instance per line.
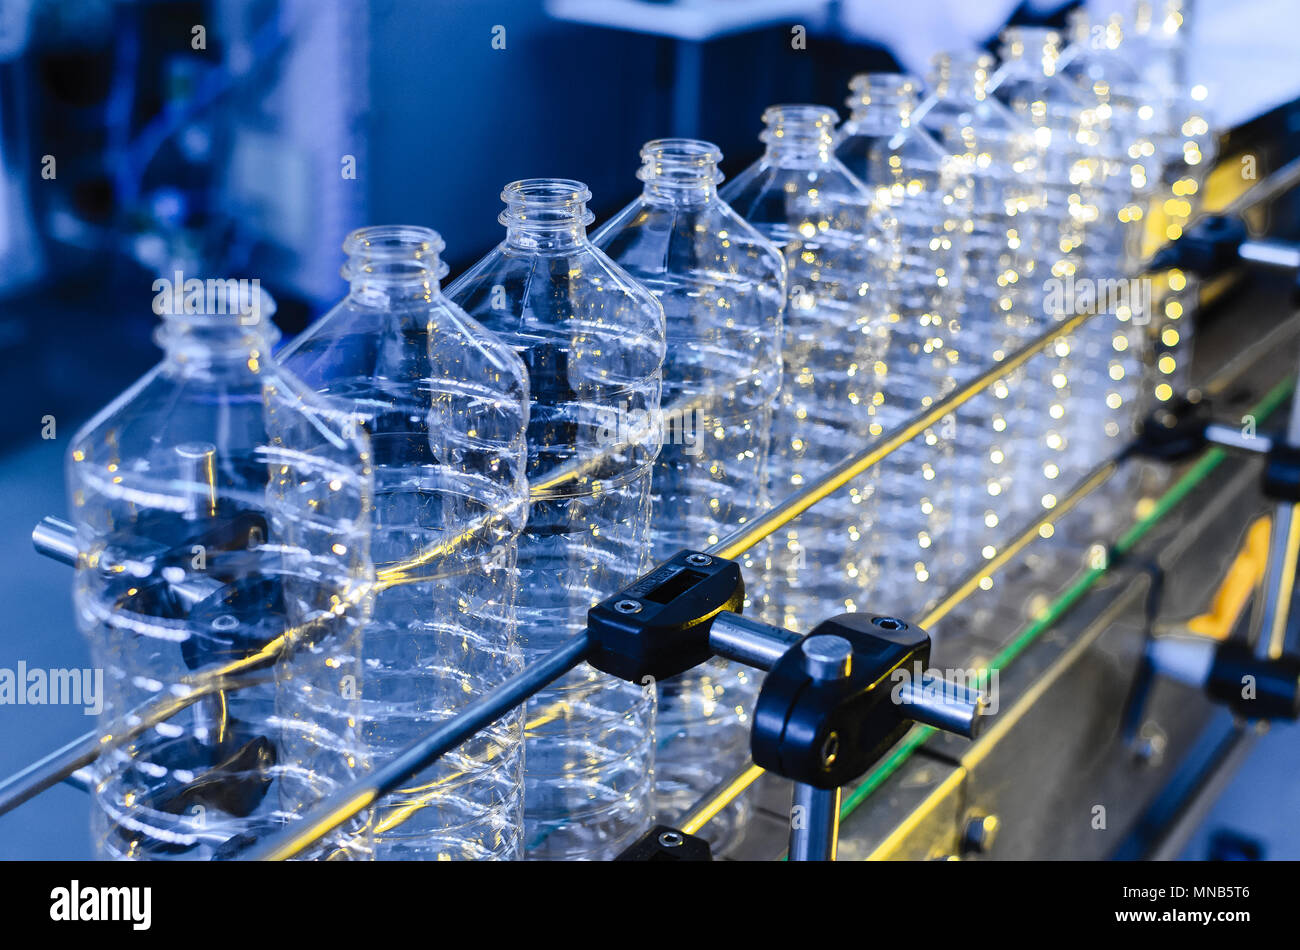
(827,657)
(671,839)
(225,622)
(888,623)
(698,560)
(831,749)
(628,606)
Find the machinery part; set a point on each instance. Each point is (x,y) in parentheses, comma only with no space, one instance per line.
(663,843)
(1252,686)
(1208,248)
(1175,431)
(836,702)
(658,626)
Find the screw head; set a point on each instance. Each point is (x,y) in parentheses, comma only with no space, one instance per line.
(831,749)
(827,657)
(698,560)
(628,606)
(671,839)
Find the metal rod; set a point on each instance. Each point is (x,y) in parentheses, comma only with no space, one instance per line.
(719,797)
(1279,255)
(948,706)
(57,539)
(814,823)
(1280,571)
(1266,189)
(1233,438)
(48,772)
(418,756)
(749,641)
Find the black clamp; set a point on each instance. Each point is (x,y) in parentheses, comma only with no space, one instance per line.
(839,698)
(659,626)
(1254,687)
(1175,431)
(1208,248)
(1282,472)
(663,843)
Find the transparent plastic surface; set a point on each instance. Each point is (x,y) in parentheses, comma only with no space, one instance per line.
(926,191)
(592,339)
(221,511)
(722,286)
(1001,455)
(1131,130)
(1081,243)
(446,406)
(803,200)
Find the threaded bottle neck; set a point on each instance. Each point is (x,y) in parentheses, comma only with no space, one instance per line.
(544,213)
(394,261)
(1037,48)
(215,322)
(883,101)
(1107,35)
(680,171)
(799,133)
(962,75)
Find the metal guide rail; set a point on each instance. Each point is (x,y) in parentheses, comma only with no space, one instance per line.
(667,622)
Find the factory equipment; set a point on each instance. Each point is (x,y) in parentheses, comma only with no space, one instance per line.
(1062,624)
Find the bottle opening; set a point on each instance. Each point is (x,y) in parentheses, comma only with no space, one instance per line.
(803,130)
(546,203)
(689,163)
(1025,42)
(394,252)
(887,94)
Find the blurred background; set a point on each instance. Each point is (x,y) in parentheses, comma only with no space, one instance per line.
(245,138)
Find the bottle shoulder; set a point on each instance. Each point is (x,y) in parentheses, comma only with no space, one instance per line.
(525,297)
(697,242)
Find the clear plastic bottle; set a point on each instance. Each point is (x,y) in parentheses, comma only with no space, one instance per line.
(593,341)
(446,406)
(1185,147)
(1003,464)
(1065,124)
(722,286)
(1099,60)
(802,199)
(221,510)
(927,193)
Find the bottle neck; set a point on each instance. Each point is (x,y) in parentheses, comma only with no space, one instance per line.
(546,214)
(962,76)
(680,172)
(1035,51)
(882,102)
(799,134)
(215,324)
(390,264)
(202,345)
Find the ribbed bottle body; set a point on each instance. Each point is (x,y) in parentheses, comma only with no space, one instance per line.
(221,514)
(592,340)
(445,404)
(805,202)
(722,287)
